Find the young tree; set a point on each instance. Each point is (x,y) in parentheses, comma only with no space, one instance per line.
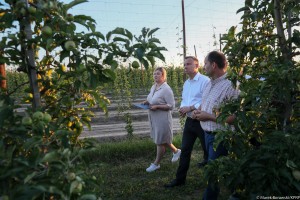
(263,150)
(67,62)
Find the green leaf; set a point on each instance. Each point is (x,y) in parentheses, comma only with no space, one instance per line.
(108,35)
(93,80)
(122,31)
(119,39)
(29,177)
(140,52)
(151,59)
(74,3)
(109,74)
(154,40)
(88,197)
(152,31)
(99,34)
(51,156)
(64,54)
(246,8)
(145,63)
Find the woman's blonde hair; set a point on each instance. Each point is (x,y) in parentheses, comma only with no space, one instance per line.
(163,71)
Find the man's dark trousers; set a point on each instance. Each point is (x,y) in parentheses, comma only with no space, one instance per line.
(192,130)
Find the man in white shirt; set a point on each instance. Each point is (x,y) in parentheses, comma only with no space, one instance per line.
(191,100)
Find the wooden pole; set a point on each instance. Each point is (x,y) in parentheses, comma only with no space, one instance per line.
(3,74)
(220,41)
(184,40)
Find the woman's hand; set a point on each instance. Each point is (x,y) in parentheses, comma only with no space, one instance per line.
(154,107)
(159,107)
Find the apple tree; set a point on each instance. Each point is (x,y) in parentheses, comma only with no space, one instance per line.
(67,62)
(263,55)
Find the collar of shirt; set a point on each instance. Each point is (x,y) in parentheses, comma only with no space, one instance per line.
(221,78)
(196,77)
(192,91)
(161,86)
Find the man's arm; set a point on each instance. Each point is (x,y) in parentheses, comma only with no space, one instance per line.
(204,116)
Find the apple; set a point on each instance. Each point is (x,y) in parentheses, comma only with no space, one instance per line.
(23,11)
(77,186)
(47,118)
(263,64)
(32,10)
(70,45)
(135,64)
(71,176)
(70,17)
(46,30)
(296,174)
(26,121)
(38,115)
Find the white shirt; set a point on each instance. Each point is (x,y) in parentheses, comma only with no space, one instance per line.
(193,89)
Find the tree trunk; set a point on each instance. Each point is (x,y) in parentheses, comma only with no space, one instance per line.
(280,31)
(286,54)
(3,74)
(31,67)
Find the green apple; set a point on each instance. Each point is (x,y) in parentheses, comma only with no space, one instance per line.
(263,64)
(38,115)
(23,11)
(70,45)
(296,174)
(135,64)
(71,176)
(26,121)
(76,187)
(70,17)
(32,10)
(47,118)
(46,30)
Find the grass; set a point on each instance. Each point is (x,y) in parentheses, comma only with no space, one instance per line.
(119,168)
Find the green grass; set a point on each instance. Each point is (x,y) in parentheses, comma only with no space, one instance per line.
(119,168)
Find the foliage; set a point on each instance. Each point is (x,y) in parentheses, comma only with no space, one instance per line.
(263,148)
(65,67)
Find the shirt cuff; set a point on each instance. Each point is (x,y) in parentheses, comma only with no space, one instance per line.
(197,105)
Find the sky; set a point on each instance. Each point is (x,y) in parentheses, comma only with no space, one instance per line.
(203,19)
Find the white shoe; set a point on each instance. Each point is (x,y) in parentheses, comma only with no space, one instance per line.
(176,155)
(152,167)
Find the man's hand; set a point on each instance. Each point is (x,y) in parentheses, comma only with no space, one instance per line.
(203,116)
(184,110)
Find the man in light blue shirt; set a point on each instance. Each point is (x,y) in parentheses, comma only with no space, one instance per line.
(191,100)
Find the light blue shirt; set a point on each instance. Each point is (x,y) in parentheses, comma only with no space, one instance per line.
(193,89)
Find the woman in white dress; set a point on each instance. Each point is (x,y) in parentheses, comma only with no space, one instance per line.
(161,101)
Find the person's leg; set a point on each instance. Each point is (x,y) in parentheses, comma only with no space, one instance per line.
(188,139)
(212,191)
(160,151)
(172,147)
(201,136)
